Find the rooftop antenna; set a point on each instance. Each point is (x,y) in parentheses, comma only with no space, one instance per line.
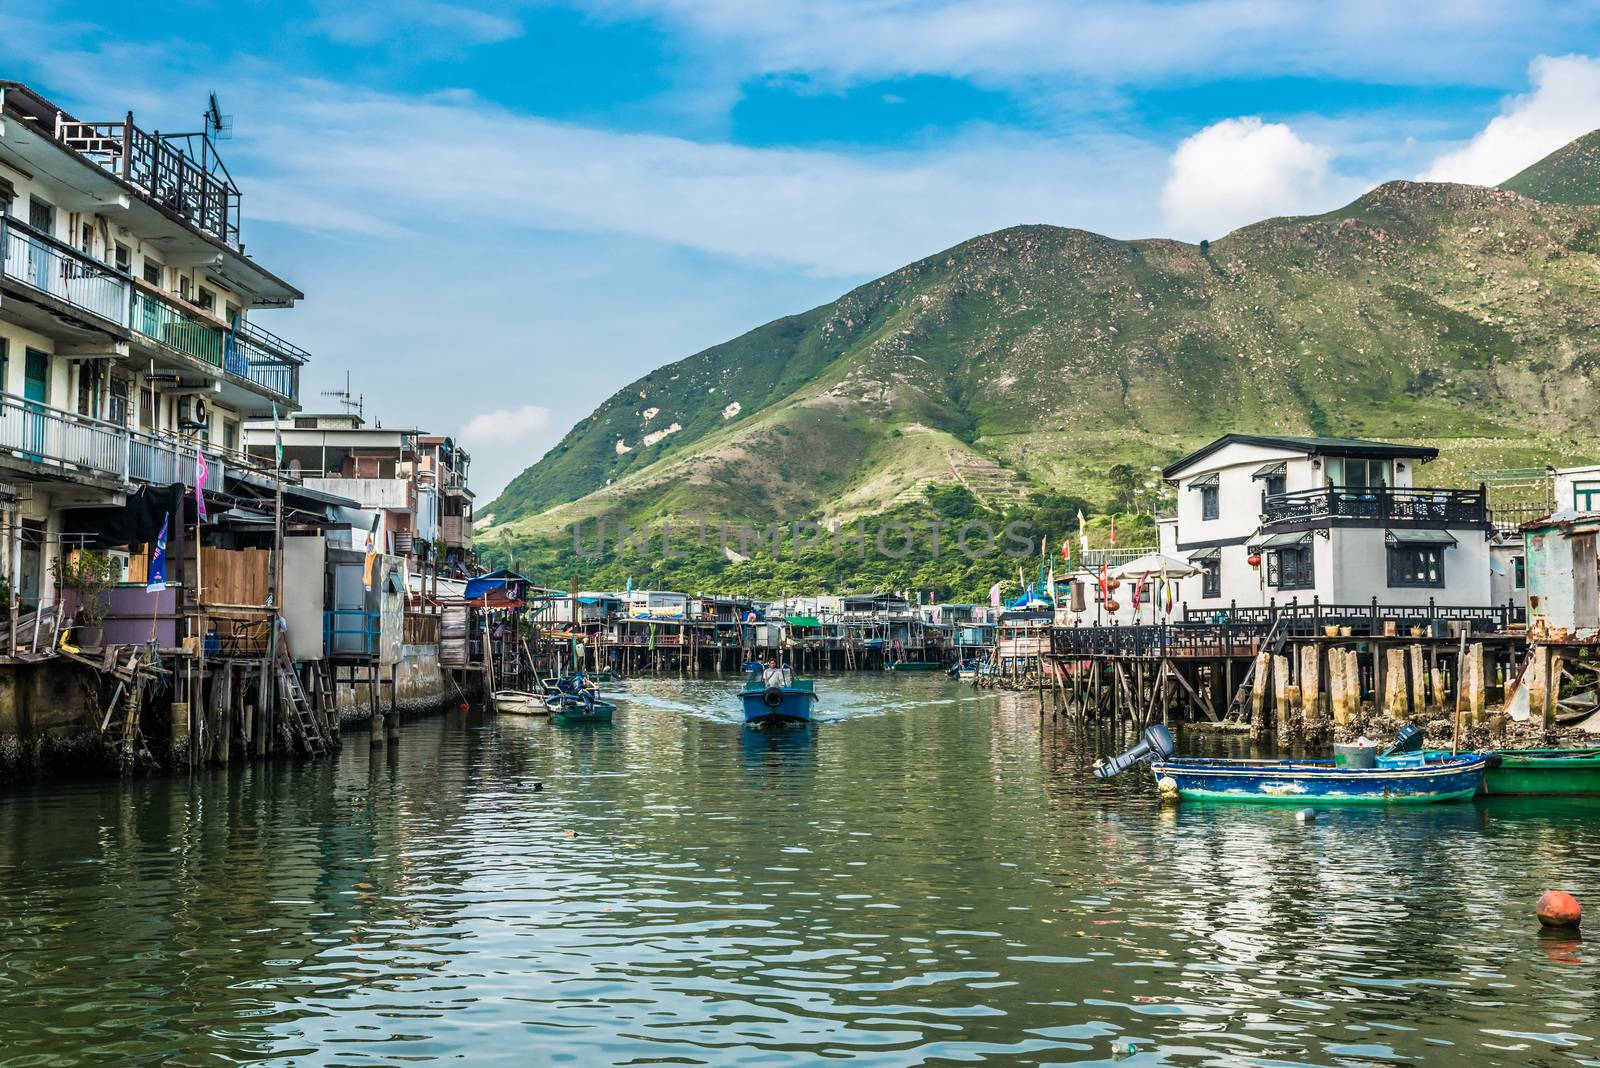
(352,405)
(218,125)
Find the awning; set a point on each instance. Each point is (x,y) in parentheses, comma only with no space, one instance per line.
(1419,537)
(318,496)
(1277,467)
(1284,541)
(1202,555)
(1209,480)
(802,621)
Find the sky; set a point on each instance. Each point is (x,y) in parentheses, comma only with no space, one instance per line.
(502,213)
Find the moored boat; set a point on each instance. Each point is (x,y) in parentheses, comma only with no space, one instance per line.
(913,665)
(1414,778)
(518,703)
(772,706)
(1544,772)
(569,709)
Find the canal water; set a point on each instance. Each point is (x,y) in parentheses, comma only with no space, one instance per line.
(927,877)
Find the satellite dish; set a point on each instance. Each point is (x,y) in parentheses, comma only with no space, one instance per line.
(218,125)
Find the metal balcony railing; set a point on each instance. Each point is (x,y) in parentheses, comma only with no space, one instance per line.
(248,353)
(195,187)
(1375,506)
(61,271)
(52,438)
(162,461)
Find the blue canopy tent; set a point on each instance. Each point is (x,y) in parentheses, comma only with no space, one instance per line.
(509,581)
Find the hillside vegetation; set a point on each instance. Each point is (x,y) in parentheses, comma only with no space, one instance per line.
(1041,358)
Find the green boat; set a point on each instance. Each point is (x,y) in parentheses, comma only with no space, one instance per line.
(914,665)
(1547,772)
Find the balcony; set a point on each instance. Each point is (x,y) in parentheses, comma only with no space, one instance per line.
(248,354)
(51,440)
(1375,506)
(58,270)
(199,191)
(456,531)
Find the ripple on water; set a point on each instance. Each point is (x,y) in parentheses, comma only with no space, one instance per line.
(926,877)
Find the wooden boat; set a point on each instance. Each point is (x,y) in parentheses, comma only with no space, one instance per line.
(1400,778)
(913,665)
(518,703)
(774,706)
(567,704)
(570,708)
(1544,773)
(1416,781)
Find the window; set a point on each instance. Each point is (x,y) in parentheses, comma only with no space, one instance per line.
(233,312)
(86,239)
(42,216)
(1586,496)
(1290,568)
(1276,485)
(183,286)
(1208,502)
(1211,577)
(1416,565)
(208,300)
(152,271)
(5,367)
(230,435)
(1519,572)
(117,400)
(124,258)
(1366,473)
(89,388)
(147,410)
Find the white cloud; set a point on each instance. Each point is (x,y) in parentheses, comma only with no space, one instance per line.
(1242,170)
(1563,104)
(1015,42)
(505,428)
(439,23)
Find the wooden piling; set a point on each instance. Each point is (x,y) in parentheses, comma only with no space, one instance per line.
(1280,695)
(1419,679)
(1258,696)
(1311,685)
(1476,713)
(1396,697)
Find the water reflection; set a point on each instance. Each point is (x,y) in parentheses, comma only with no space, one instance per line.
(930,875)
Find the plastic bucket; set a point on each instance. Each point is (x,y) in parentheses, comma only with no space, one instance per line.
(1355,756)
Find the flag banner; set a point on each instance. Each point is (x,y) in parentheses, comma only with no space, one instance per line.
(994,595)
(1083,532)
(158,560)
(200,473)
(277,441)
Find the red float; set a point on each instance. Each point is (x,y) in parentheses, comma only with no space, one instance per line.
(1557,908)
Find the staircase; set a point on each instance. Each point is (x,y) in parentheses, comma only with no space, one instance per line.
(301,721)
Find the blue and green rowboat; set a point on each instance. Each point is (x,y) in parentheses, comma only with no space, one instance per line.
(1405,779)
(1322,782)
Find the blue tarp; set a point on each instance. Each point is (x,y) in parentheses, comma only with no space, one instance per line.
(477,587)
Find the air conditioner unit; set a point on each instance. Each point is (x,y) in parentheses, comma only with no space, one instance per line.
(192,413)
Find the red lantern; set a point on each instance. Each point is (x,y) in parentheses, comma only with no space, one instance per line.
(1112,584)
(1112,606)
(1255,560)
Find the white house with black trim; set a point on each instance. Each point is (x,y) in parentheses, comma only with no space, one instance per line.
(1272,519)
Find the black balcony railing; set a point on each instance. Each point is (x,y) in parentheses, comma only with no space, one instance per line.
(1376,506)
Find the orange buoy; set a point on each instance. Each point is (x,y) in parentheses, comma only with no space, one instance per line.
(1557,908)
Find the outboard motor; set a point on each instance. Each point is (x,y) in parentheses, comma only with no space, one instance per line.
(1155,742)
(1408,739)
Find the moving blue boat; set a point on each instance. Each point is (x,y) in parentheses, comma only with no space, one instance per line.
(781,704)
(1399,778)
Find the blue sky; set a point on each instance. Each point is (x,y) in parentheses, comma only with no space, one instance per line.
(502,213)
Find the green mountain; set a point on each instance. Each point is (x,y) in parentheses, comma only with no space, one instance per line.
(1566,176)
(1041,358)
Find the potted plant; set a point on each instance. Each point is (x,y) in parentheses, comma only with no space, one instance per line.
(89,576)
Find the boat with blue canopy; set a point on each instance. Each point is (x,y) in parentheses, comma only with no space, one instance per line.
(1404,777)
(773,697)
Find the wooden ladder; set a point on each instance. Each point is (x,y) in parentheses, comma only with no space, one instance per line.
(1277,637)
(301,720)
